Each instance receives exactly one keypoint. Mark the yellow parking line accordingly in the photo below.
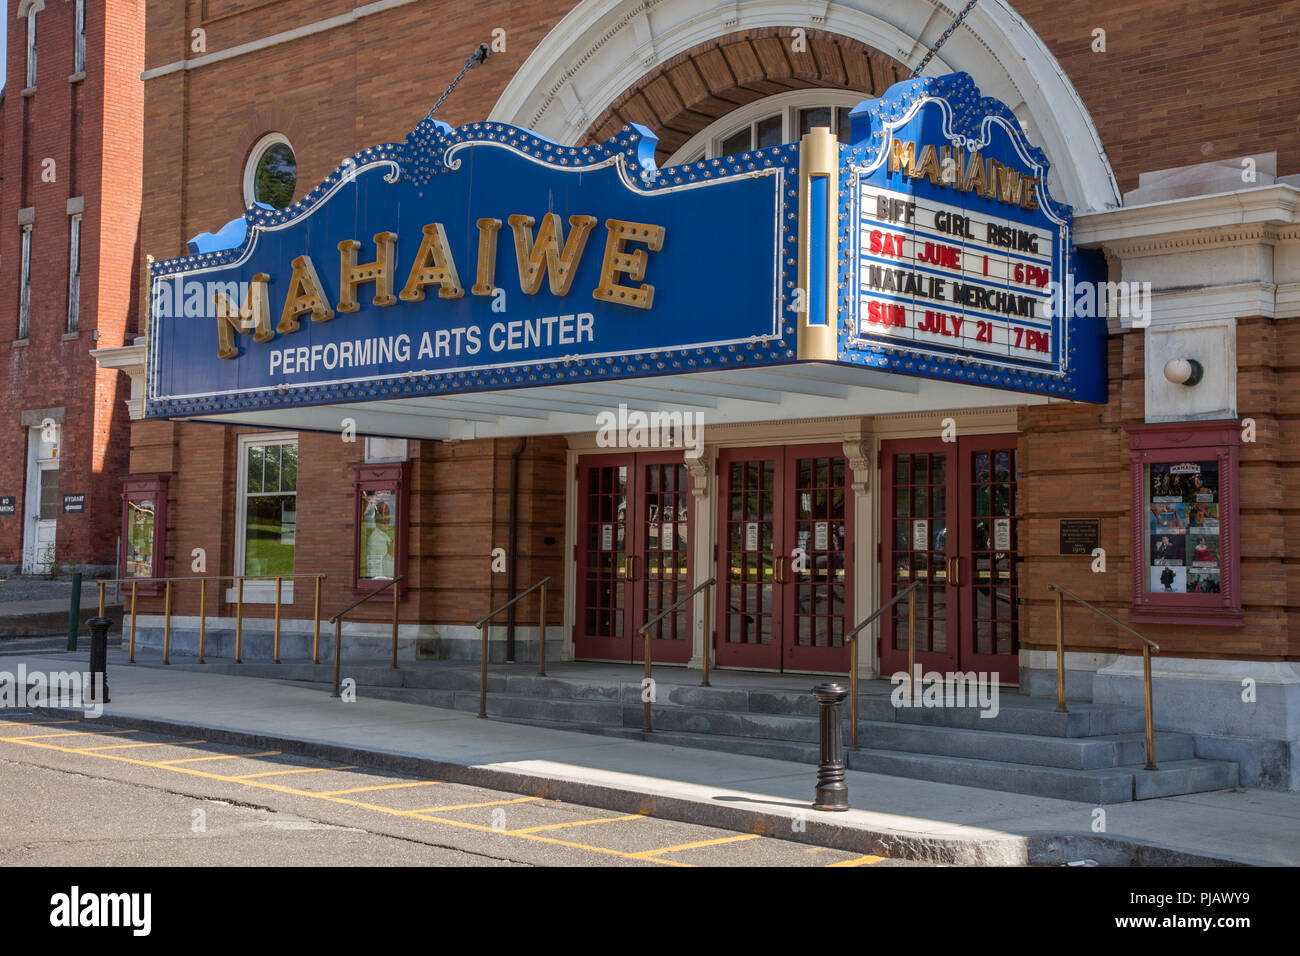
(278, 788)
(471, 806)
(276, 773)
(81, 733)
(646, 854)
(860, 861)
(575, 823)
(386, 786)
(168, 763)
(86, 750)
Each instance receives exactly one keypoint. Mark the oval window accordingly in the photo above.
(272, 175)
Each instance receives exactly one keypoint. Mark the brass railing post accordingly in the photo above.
(911, 641)
(338, 650)
(1060, 653)
(239, 621)
(101, 598)
(131, 655)
(167, 623)
(853, 693)
(276, 639)
(647, 688)
(541, 635)
(482, 669)
(1151, 732)
(315, 625)
(706, 648)
(203, 617)
(394, 625)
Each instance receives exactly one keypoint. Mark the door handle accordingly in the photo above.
(631, 567)
(777, 568)
(954, 571)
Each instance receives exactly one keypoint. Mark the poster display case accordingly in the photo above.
(1186, 535)
(381, 521)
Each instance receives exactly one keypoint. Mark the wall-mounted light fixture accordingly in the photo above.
(1182, 371)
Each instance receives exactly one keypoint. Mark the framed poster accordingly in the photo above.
(144, 531)
(381, 522)
(1185, 531)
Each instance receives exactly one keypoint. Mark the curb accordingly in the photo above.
(819, 830)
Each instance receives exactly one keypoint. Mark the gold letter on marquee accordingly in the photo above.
(487, 257)
(433, 265)
(631, 264)
(380, 272)
(233, 319)
(544, 255)
(306, 294)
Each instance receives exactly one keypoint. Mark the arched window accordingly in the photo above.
(773, 120)
(271, 175)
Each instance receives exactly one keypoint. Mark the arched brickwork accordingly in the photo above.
(683, 95)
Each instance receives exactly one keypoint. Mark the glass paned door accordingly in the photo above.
(917, 545)
(750, 538)
(633, 547)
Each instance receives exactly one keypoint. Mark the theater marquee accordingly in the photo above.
(487, 257)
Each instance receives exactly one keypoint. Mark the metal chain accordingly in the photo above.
(478, 56)
(943, 39)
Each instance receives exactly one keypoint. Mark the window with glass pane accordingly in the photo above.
(49, 493)
(270, 507)
(738, 142)
(140, 532)
(842, 124)
(816, 116)
(769, 132)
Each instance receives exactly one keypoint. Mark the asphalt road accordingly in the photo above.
(89, 794)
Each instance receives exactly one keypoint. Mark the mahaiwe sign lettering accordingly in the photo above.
(480, 258)
(487, 257)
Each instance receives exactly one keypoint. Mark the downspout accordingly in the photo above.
(512, 549)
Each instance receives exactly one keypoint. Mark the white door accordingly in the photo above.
(41, 501)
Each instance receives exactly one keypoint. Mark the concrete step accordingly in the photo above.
(1097, 786)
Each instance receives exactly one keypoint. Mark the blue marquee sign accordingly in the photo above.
(955, 261)
(479, 258)
(487, 257)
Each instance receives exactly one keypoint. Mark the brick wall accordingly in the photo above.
(71, 138)
(1076, 464)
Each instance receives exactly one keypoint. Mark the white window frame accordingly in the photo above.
(257, 592)
(79, 55)
(255, 157)
(74, 272)
(31, 46)
(25, 284)
(707, 143)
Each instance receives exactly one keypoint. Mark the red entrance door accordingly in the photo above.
(785, 528)
(633, 553)
(948, 520)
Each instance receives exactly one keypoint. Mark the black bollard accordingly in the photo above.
(832, 791)
(99, 656)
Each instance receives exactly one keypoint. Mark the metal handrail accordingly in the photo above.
(852, 636)
(1148, 646)
(707, 649)
(203, 580)
(481, 624)
(337, 621)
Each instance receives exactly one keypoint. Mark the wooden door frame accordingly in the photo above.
(820, 660)
(895, 661)
(747, 656)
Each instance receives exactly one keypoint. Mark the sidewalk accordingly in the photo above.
(892, 816)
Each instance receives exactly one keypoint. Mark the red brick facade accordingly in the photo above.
(71, 136)
(1207, 89)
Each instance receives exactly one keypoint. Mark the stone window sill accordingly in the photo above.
(30, 91)
(71, 336)
(77, 77)
(20, 343)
